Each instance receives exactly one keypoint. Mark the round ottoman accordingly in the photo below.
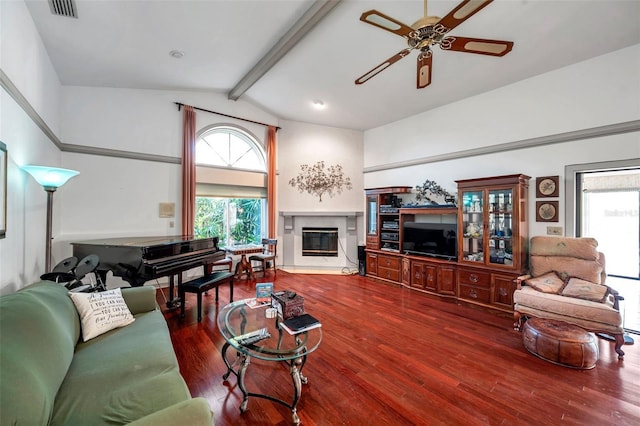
(560, 343)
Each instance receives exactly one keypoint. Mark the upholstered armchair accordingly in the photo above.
(566, 282)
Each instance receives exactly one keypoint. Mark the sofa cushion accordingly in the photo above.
(547, 283)
(100, 312)
(192, 412)
(39, 328)
(581, 248)
(122, 375)
(566, 308)
(585, 290)
(566, 267)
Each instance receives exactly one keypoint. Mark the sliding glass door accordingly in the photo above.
(609, 204)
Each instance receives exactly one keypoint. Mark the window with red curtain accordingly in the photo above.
(237, 214)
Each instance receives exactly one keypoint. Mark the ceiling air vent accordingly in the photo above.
(64, 8)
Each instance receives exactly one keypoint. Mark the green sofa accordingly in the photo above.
(126, 376)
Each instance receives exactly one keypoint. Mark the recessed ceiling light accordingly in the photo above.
(176, 54)
(318, 104)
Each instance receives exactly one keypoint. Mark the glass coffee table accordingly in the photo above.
(239, 324)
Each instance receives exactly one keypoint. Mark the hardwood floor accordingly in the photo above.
(391, 355)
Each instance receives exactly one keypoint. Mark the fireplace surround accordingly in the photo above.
(346, 225)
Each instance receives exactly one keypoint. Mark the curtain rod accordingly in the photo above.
(180, 105)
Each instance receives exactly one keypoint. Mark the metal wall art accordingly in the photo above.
(318, 179)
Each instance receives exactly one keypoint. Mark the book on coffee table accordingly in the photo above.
(299, 324)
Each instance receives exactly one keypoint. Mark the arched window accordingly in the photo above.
(227, 146)
(230, 203)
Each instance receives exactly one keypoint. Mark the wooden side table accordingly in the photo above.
(244, 266)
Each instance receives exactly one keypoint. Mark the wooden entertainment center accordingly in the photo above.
(491, 240)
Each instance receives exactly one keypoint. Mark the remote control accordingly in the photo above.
(253, 337)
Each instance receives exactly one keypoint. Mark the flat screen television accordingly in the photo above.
(431, 239)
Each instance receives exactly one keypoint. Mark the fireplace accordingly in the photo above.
(292, 225)
(319, 241)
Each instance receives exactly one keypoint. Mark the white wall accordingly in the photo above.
(303, 143)
(598, 92)
(25, 63)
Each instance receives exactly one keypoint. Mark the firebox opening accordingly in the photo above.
(320, 242)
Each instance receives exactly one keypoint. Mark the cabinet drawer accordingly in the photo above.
(389, 274)
(447, 281)
(474, 278)
(477, 294)
(388, 262)
(372, 242)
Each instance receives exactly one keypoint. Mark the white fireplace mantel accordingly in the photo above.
(291, 230)
(320, 213)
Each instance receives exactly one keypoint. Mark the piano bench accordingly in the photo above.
(202, 284)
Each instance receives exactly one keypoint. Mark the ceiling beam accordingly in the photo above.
(318, 10)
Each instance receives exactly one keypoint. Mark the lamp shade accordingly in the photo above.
(50, 178)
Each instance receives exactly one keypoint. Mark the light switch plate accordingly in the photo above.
(554, 230)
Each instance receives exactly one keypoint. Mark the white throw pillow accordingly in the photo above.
(101, 312)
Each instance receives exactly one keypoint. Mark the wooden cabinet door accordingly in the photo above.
(417, 275)
(406, 271)
(372, 264)
(430, 277)
(447, 280)
(503, 288)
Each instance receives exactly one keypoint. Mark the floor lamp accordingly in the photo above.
(51, 178)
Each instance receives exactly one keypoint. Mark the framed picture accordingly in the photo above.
(546, 211)
(547, 186)
(3, 190)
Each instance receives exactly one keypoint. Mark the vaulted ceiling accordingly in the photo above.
(127, 43)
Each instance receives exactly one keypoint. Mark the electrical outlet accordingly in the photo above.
(171, 224)
(554, 230)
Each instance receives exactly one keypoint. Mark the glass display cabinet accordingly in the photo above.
(492, 221)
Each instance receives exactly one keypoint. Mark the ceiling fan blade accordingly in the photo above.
(385, 22)
(461, 13)
(424, 70)
(383, 66)
(477, 45)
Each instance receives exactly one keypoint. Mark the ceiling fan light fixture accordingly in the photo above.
(425, 21)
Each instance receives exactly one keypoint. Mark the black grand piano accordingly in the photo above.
(140, 259)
